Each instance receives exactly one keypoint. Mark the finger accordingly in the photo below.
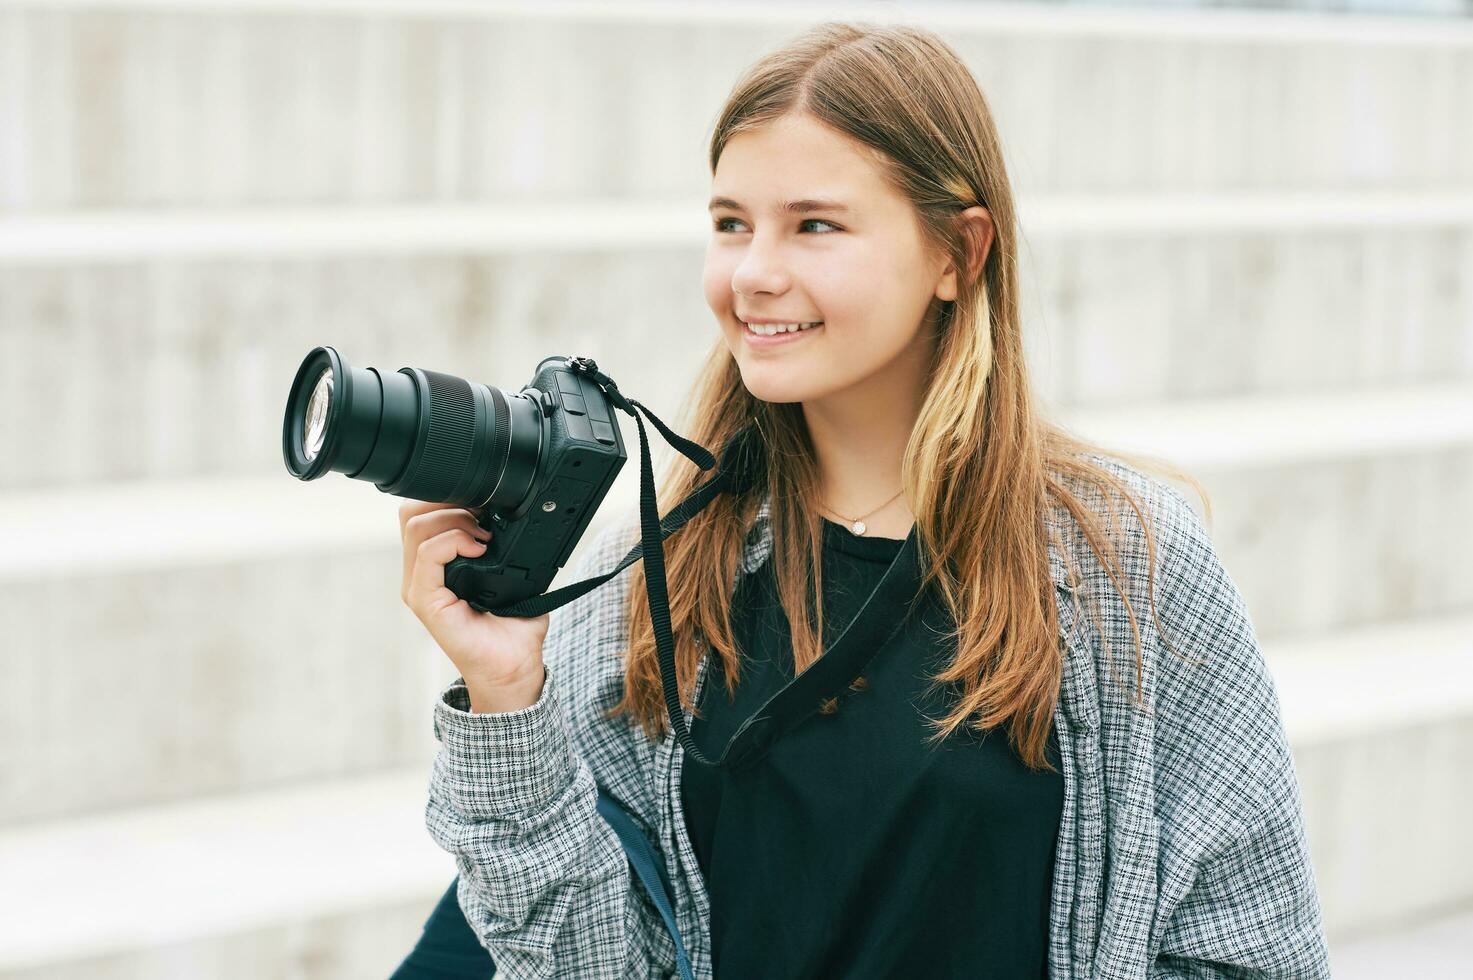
(427, 591)
(413, 508)
(425, 526)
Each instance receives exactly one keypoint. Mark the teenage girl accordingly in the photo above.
(1065, 756)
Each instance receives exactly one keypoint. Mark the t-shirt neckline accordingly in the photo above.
(840, 538)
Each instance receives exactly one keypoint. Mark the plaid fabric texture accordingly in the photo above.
(1181, 851)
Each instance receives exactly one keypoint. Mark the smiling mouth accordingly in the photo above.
(773, 330)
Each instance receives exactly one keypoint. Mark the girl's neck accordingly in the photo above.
(859, 436)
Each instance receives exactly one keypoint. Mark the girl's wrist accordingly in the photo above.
(487, 699)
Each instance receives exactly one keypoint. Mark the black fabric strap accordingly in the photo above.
(739, 458)
(743, 460)
(867, 634)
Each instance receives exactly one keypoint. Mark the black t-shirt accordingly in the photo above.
(854, 848)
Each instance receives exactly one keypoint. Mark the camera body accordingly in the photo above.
(580, 453)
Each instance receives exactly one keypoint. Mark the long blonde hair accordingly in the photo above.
(980, 469)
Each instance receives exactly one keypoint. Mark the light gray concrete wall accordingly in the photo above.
(207, 108)
(1248, 247)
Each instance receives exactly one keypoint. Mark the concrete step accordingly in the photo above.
(115, 236)
(253, 102)
(1427, 946)
(169, 640)
(1343, 682)
(1273, 430)
(354, 852)
(328, 880)
(1330, 511)
(1381, 722)
(1181, 301)
(222, 631)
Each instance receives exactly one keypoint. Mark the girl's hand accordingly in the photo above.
(499, 658)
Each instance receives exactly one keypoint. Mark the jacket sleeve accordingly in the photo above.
(1237, 895)
(544, 882)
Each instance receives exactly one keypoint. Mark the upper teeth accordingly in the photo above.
(768, 329)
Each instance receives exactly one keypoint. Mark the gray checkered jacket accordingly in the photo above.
(1181, 848)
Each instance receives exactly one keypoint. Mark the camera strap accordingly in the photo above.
(742, 461)
(735, 474)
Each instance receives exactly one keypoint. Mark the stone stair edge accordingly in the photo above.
(169, 522)
(289, 853)
(1335, 685)
(273, 231)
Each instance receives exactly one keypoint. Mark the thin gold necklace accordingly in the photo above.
(856, 524)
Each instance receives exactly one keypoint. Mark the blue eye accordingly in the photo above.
(720, 224)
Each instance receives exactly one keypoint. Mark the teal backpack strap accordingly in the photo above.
(651, 870)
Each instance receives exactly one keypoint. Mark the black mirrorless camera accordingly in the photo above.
(537, 462)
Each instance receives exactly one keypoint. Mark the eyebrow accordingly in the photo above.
(791, 207)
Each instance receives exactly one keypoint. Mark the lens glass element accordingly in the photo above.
(314, 423)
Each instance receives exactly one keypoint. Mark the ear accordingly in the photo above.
(977, 226)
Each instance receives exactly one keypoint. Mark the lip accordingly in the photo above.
(779, 339)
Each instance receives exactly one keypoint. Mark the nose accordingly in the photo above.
(759, 271)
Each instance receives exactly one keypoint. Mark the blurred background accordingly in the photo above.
(1248, 248)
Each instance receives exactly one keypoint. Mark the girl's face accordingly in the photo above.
(854, 262)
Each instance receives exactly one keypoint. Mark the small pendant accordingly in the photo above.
(859, 527)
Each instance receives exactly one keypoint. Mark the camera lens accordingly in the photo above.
(316, 422)
(414, 433)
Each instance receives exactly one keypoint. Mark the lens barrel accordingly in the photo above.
(414, 433)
